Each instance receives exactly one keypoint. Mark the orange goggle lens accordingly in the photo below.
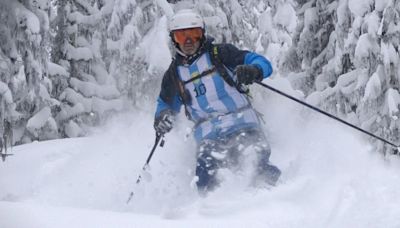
(181, 35)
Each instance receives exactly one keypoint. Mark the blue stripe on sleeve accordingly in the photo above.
(259, 60)
(161, 105)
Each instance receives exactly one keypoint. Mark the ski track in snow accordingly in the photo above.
(331, 178)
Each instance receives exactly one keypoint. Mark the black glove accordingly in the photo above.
(247, 74)
(164, 122)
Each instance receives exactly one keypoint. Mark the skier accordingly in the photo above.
(208, 80)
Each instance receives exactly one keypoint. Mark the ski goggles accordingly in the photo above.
(180, 36)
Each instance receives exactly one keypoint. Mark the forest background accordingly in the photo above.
(69, 65)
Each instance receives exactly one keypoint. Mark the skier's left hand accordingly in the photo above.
(247, 74)
(164, 122)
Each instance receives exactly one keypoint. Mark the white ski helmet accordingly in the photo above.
(185, 19)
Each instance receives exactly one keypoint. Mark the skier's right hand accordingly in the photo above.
(247, 74)
(164, 122)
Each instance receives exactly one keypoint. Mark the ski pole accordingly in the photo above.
(159, 137)
(397, 147)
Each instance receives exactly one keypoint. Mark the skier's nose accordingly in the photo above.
(189, 41)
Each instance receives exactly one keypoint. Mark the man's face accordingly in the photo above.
(188, 39)
(190, 46)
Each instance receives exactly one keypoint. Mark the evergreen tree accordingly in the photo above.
(66, 64)
(132, 23)
(351, 70)
(91, 94)
(27, 100)
(277, 23)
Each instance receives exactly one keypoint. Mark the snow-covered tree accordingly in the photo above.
(8, 57)
(91, 93)
(59, 65)
(136, 28)
(277, 23)
(346, 59)
(66, 64)
(25, 83)
(312, 43)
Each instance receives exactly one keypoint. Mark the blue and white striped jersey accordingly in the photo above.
(216, 107)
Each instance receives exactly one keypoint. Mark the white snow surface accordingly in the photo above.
(165, 7)
(331, 178)
(393, 101)
(5, 93)
(286, 17)
(360, 7)
(80, 53)
(26, 18)
(381, 4)
(155, 46)
(39, 120)
(373, 87)
(55, 69)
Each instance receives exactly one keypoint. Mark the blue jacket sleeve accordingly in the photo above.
(260, 61)
(162, 105)
(169, 97)
(231, 57)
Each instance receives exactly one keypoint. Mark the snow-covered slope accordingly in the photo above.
(331, 178)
